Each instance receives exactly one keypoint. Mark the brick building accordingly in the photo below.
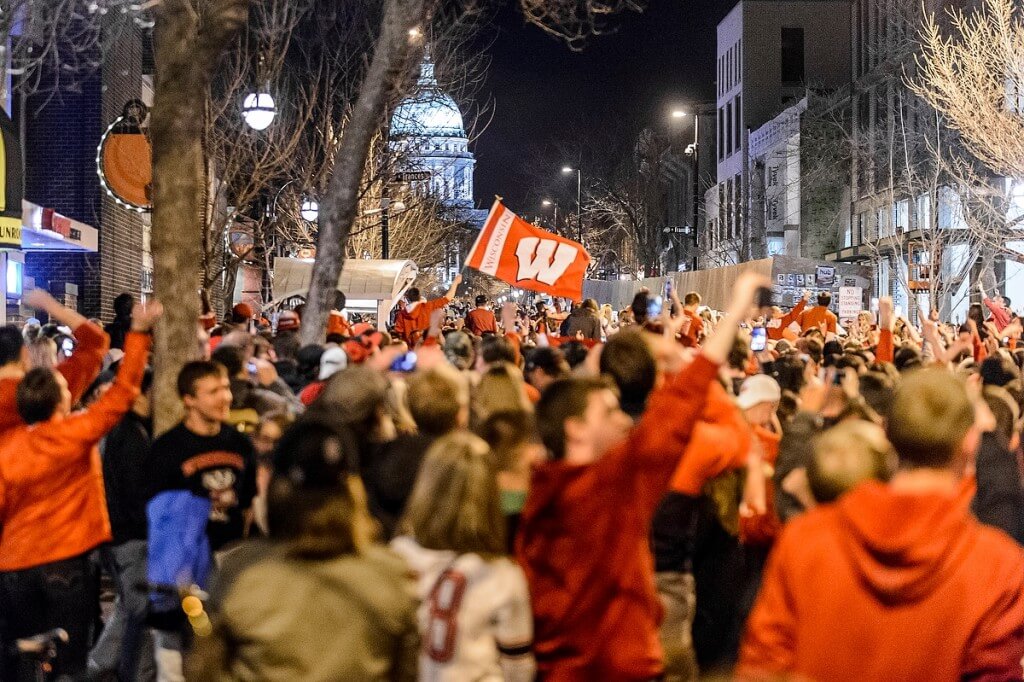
(61, 125)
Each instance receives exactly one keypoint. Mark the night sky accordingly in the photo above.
(543, 91)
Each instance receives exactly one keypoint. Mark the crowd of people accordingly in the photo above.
(665, 492)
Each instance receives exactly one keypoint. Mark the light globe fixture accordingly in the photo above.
(310, 210)
(258, 110)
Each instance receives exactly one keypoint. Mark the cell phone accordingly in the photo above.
(667, 294)
(251, 367)
(404, 363)
(654, 306)
(763, 297)
(758, 339)
(68, 346)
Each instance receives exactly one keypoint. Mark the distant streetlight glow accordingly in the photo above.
(546, 202)
(415, 33)
(568, 169)
(678, 113)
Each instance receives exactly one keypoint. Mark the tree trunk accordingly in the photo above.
(388, 71)
(186, 48)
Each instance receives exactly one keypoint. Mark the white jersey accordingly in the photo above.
(474, 616)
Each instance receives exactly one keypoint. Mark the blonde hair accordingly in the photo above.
(455, 504)
(501, 389)
(849, 453)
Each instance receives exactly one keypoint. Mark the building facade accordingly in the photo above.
(768, 54)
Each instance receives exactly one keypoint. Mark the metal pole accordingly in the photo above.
(696, 184)
(579, 204)
(385, 205)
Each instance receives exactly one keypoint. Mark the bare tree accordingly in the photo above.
(974, 76)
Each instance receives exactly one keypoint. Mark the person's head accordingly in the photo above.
(739, 355)
(931, 423)
(790, 372)
(509, 434)
(501, 388)
(438, 400)
(455, 505)
(1007, 415)
(270, 430)
(847, 454)
(356, 398)
(906, 358)
(878, 390)
(43, 352)
(579, 419)
(481, 301)
(627, 360)
(41, 394)
(12, 348)
(590, 305)
(495, 350)
(813, 348)
(691, 300)
(545, 365)
(412, 294)
(639, 307)
(759, 398)
(316, 504)
(205, 391)
(232, 359)
(123, 305)
(998, 370)
(824, 299)
(332, 361)
(458, 349)
(575, 353)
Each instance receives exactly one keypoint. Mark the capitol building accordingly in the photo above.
(428, 132)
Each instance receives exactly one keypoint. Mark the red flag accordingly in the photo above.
(527, 257)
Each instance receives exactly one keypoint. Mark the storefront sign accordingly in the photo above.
(11, 185)
(124, 159)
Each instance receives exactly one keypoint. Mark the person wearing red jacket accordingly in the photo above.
(78, 371)
(481, 319)
(896, 581)
(412, 322)
(52, 505)
(998, 307)
(778, 325)
(583, 540)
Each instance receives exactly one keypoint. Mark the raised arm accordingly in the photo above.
(82, 367)
(450, 294)
(794, 314)
(885, 351)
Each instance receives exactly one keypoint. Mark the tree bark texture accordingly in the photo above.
(189, 38)
(393, 57)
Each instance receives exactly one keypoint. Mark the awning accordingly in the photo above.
(43, 229)
(361, 280)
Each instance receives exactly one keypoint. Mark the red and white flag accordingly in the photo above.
(527, 257)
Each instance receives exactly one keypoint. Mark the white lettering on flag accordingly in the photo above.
(492, 252)
(544, 260)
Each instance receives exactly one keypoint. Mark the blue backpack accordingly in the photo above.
(179, 551)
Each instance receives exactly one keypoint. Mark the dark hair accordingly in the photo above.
(824, 299)
(639, 307)
(310, 504)
(412, 294)
(505, 431)
(739, 354)
(497, 349)
(231, 357)
(975, 312)
(628, 361)
(999, 403)
(815, 350)
(692, 298)
(286, 345)
(563, 400)
(193, 371)
(11, 343)
(575, 353)
(123, 305)
(549, 360)
(906, 358)
(789, 372)
(878, 391)
(38, 395)
(481, 300)
(340, 300)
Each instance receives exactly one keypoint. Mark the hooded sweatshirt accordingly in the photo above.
(887, 585)
(583, 544)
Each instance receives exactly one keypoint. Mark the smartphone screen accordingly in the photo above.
(667, 293)
(758, 339)
(654, 307)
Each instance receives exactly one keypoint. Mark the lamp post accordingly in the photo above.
(691, 150)
(549, 202)
(566, 170)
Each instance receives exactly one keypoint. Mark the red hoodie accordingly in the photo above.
(889, 586)
(583, 543)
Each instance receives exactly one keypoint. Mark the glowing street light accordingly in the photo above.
(310, 210)
(547, 202)
(258, 110)
(566, 170)
(678, 113)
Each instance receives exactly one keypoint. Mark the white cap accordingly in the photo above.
(759, 388)
(333, 360)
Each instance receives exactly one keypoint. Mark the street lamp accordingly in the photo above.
(566, 170)
(691, 151)
(258, 110)
(310, 210)
(548, 202)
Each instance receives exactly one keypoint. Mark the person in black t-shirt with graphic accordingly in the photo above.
(210, 459)
(205, 456)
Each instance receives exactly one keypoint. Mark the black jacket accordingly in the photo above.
(125, 452)
(999, 500)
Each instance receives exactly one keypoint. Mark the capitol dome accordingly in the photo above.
(428, 113)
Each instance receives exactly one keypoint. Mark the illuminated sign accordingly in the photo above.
(11, 185)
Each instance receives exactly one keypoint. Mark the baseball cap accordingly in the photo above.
(759, 388)
(332, 361)
(241, 312)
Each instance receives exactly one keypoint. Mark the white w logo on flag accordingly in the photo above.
(544, 260)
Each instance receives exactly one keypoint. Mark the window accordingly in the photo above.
(924, 212)
(721, 133)
(737, 121)
(728, 129)
(792, 55)
(901, 216)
